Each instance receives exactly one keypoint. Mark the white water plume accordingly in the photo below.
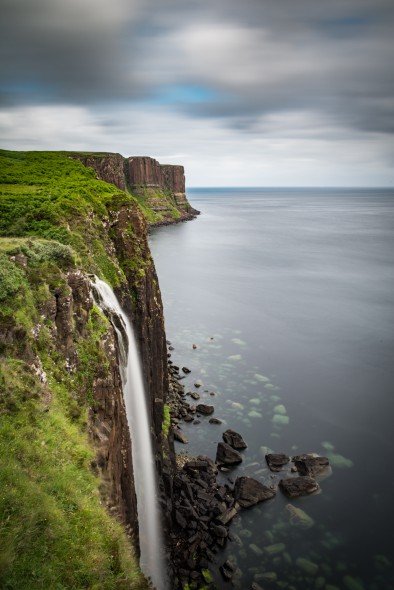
(150, 531)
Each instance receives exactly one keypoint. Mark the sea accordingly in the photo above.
(281, 303)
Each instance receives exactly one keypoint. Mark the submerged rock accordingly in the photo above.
(280, 419)
(339, 460)
(275, 548)
(307, 566)
(234, 439)
(299, 518)
(215, 421)
(298, 486)
(276, 461)
(249, 491)
(226, 455)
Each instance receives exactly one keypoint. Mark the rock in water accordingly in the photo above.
(299, 486)
(249, 491)
(227, 570)
(186, 370)
(180, 436)
(226, 455)
(310, 464)
(205, 409)
(234, 439)
(276, 461)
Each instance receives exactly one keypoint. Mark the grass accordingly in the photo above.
(52, 196)
(54, 531)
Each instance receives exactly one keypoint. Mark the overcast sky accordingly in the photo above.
(251, 93)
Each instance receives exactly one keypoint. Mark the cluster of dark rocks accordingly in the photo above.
(308, 466)
(203, 508)
(181, 409)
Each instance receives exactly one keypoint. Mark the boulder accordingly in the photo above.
(215, 421)
(226, 455)
(310, 464)
(234, 439)
(180, 436)
(249, 491)
(205, 409)
(298, 486)
(186, 370)
(276, 461)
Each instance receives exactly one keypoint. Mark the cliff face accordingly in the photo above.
(70, 307)
(109, 167)
(159, 189)
(50, 325)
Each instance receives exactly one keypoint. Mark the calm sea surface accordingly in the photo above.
(289, 297)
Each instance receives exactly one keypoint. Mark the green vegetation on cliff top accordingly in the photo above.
(54, 529)
(53, 196)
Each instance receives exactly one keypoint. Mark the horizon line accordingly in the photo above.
(226, 187)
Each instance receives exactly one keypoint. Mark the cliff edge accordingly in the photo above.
(158, 188)
(65, 447)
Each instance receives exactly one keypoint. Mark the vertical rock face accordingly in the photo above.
(142, 170)
(108, 421)
(160, 188)
(109, 167)
(142, 303)
(174, 178)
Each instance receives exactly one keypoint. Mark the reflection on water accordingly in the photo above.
(287, 297)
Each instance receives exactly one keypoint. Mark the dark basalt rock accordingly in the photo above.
(226, 455)
(186, 370)
(249, 491)
(310, 465)
(205, 409)
(219, 530)
(276, 461)
(180, 436)
(228, 515)
(227, 570)
(215, 421)
(234, 439)
(298, 486)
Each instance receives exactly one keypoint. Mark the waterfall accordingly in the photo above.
(150, 531)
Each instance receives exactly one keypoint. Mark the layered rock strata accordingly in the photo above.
(158, 187)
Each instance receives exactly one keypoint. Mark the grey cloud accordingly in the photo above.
(259, 57)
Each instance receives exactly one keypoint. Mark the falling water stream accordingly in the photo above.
(150, 533)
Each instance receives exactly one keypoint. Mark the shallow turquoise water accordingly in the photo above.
(288, 295)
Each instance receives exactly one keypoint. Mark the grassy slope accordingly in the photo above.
(54, 531)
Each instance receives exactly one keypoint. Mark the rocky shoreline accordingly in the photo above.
(189, 216)
(203, 507)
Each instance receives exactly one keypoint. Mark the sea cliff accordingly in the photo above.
(65, 446)
(159, 188)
